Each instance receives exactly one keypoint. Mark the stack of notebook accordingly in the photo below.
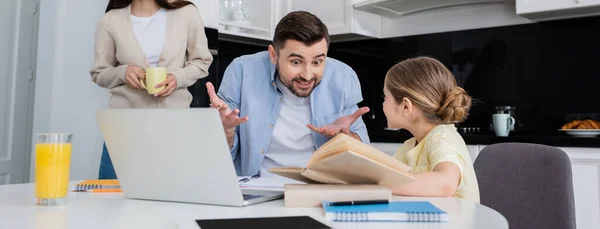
(402, 211)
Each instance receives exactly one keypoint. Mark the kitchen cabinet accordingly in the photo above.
(342, 20)
(388, 148)
(426, 17)
(557, 9)
(391, 148)
(249, 18)
(364, 19)
(242, 18)
(585, 166)
(209, 11)
(473, 151)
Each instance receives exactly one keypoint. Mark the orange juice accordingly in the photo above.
(52, 162)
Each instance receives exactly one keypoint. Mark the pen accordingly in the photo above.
(358, 202)
(249, 178)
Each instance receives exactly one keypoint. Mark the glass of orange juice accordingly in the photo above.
(52, 165)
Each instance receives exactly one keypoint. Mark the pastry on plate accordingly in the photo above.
(586, 124)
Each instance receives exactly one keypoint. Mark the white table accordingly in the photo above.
(112, 210)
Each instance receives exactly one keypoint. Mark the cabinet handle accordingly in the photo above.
(440, 7)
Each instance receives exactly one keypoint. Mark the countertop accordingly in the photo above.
(558, 139)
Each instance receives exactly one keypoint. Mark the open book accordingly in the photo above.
(345, 160)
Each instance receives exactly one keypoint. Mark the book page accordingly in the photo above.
(343, 142)
(269, 183)
(322, 177)
(354, 168)
(292, 173)
(335, 145)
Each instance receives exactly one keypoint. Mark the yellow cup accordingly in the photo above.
(52, 167)
(154, 76)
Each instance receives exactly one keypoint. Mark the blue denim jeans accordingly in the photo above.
(106, 171)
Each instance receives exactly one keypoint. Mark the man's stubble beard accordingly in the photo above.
(290, 85)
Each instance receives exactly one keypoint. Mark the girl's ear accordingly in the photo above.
(407, 106)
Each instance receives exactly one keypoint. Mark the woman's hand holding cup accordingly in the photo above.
(134, 75)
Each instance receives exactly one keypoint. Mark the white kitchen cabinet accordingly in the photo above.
(339, 16)
(557, 9)
(391, 148)
(209, 11)
(473, 151)
(441, 17)
(585, 166)
(388, 148)
(545, 5)
(249, 18)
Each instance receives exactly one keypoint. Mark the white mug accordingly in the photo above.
(503, 123)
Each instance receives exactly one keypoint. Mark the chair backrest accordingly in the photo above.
(530, 184)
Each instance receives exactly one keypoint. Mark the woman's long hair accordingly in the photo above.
(118, 4)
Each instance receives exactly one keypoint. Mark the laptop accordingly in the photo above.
(177, 155)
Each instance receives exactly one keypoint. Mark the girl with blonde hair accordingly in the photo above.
(422, 97)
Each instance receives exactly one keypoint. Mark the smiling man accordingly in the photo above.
(291, 99)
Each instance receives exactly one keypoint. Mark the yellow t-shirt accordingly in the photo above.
(443, 143)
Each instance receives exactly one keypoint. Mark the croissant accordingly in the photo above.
(581, 125)
(572, 124)
(591, 124)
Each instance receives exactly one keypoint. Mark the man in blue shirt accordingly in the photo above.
(291, 99)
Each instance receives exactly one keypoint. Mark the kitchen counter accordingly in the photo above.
(485, 138)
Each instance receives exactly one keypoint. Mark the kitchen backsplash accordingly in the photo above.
(548, 71)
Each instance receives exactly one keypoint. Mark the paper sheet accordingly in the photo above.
(268, 183)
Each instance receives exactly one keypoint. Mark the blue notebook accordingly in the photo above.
(402, 211)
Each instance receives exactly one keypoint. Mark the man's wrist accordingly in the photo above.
(230, 138)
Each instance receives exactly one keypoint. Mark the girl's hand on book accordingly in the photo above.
(341, 125)
(229, 118)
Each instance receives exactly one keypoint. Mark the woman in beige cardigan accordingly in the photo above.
(136, 34)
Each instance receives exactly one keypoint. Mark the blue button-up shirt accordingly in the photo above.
(249, 85)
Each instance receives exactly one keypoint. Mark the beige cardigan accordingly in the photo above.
(185, 54)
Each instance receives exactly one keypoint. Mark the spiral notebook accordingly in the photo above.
(86, 185)
(401, 211)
